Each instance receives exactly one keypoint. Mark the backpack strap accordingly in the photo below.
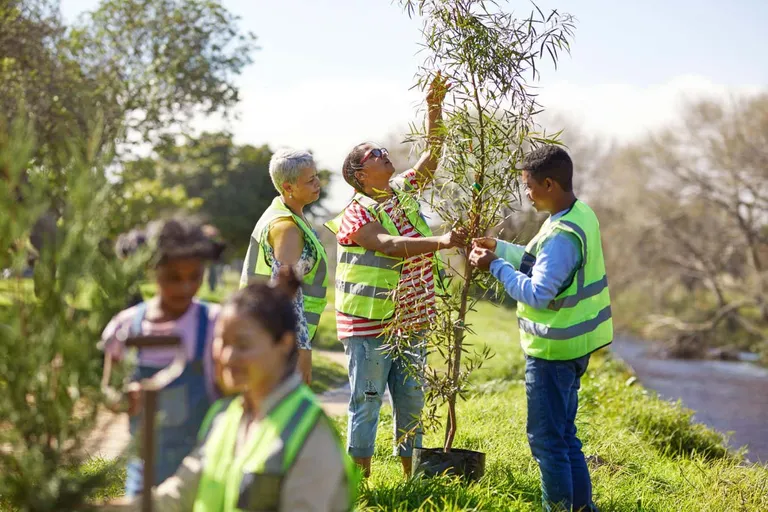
(202, 331)
(138, 317)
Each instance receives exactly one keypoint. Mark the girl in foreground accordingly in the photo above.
(271, 446)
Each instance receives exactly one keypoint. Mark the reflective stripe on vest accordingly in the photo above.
(366, 280)
(315, 284)
(277, 462)
(251, 477)
(578, 321)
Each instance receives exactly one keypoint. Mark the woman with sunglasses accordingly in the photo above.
(386, 275)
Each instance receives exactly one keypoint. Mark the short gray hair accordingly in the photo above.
(286, 164)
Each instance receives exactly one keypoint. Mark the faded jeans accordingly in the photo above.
(371, 371)
(552, 388)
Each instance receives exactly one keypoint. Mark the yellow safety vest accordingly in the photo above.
(314, 284)
(578, 321)
(251, 479)
(365, 279)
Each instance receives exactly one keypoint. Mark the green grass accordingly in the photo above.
(326, 338)
(326, 374)
(645, 453)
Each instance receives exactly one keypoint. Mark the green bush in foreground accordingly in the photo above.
(50, 367)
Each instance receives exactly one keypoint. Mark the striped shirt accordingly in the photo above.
(415, 304)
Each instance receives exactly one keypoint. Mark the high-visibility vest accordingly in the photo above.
(578, 321)
(251, 478)
(365, 279)
(314, 285)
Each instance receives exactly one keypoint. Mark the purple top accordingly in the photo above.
(185, 327)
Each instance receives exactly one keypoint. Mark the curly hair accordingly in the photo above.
(352, 165)
(170, 239)
(551, 162)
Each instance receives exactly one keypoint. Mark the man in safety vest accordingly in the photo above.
(386, 276)
(564, 314)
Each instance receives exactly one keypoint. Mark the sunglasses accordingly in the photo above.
(376, 153)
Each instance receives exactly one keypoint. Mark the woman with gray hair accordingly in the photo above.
(283, 236)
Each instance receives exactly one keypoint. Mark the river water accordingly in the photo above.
(728, 396)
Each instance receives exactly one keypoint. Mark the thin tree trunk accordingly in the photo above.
(458, 330)
(455, 366)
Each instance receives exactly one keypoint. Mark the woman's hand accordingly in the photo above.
(436, 93)
(457, 237)
(304, 365)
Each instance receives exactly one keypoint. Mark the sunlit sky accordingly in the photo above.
(332, 73)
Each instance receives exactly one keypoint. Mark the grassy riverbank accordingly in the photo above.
(645, 454)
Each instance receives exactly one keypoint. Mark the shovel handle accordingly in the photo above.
(150, 388)
(153, 341)
(148, 448)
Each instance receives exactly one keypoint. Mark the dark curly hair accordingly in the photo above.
(551, 162)
(170, 239)
(352, 165)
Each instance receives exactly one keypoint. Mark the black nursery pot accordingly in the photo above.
(434, 461)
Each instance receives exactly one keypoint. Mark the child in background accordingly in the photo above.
(180, 252)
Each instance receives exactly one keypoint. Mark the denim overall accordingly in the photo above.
(182, 406)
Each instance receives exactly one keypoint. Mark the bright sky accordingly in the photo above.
(332, 73)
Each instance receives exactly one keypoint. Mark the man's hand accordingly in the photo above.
(455, 238)
(305, 366)
(482, 258)
(484, 243)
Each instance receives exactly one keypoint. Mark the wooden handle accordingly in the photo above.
(148, 448)
(153, 341)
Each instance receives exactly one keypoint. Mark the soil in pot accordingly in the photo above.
(434, 461)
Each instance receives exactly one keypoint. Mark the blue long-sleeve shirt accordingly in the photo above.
(557, 261)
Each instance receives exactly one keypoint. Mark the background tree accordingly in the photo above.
(488, 56)
(703, 235)
(129, 71)
(49, 363)
(684, 215)
(38, 76)
(143, 68)
(228, 184)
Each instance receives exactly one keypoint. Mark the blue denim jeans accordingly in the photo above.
(371, 372)
(552, 390)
